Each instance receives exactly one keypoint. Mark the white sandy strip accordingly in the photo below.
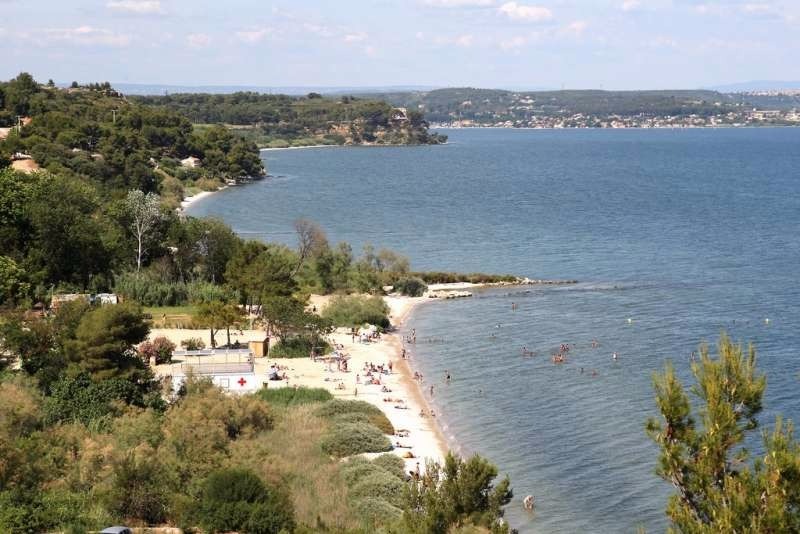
(188, 201)
(425, 438)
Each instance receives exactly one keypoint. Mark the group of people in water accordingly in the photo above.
(560, 356)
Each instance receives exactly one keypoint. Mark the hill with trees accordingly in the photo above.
(281, 120)
(95, 134)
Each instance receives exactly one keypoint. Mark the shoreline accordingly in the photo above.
(425, 439)
(188, 201)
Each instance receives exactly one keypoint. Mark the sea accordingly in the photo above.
(674, 236)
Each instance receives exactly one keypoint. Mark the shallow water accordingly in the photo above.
(684, 232)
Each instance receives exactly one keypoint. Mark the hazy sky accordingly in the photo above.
(613, 44)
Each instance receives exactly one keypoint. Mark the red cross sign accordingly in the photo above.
(241, 382)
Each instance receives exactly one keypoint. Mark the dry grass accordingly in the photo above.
(291, 456)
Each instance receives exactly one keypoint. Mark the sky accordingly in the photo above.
(574, 44)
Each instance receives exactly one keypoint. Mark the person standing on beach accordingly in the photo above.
(431, 390)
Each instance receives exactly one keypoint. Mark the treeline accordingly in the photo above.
(444, 105)
(281, 120)
(94, 134)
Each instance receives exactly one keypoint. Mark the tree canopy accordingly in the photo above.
(704, 451)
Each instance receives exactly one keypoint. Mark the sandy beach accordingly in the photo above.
(425, 438)
(188, 201)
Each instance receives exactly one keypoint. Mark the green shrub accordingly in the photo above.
(193, 343)
(338, 407)
(357, 468)
(346, 439)
(161, 348)
(294, 396)
(392, 464)
(298, 347)
(373, 511)
(278, 143)
(411, 287)
(378, 420)
(236, 499)
(355, 310)
(382, 485)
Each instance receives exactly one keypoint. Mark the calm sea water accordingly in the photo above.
(684, 232)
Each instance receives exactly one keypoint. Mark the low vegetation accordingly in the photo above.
(357, 310)
(289, 396)
(347, 439)
(342, 408)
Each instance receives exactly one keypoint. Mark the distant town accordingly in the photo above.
(468, 107)
(754, 117)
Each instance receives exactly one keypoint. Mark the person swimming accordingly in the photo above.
(528, 502)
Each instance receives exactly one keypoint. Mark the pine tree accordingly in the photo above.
(718, 487)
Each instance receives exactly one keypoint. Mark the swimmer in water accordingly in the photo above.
(614, 356)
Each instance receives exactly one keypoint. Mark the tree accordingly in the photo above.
(236, 499)
(216, 315)
(454, 494)
(717, 487)
(145, 214)
(104, 344)
(13, 286)
(258, 271)
(311, 241)
(19, 92)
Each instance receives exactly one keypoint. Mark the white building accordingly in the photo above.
(233, 370)
(191, 162)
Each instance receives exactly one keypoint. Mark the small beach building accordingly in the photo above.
(233, 370)
(191, 162)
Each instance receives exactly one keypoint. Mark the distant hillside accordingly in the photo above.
(490, 105)
(283, 120)
(154, 89)
(758, 86)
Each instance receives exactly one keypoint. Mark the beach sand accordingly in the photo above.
(188, 201)
(425, 438)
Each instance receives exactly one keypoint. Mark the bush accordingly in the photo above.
(294, 396)
(357, 468)
(193, 343)
(411, 287)
(375, 511)
(382, 485)
(346, 439)
(392, 464)
(298, 347)
(278, 143)
(339, 407)
(236, 499)
(354, 310)
(160, 348)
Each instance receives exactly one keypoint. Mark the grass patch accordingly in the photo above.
(294, 396)
(158, 311)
